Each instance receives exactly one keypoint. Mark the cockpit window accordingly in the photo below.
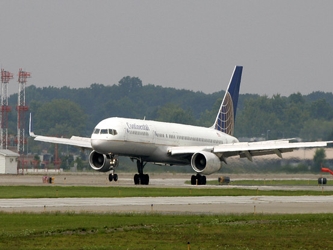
(112, 131)
(104, 131)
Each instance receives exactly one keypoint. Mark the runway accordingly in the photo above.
(176, 205)
(172, 205)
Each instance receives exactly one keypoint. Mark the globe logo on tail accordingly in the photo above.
(225, 120)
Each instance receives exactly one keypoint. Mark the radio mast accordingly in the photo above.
(21, 110)
(5, 109)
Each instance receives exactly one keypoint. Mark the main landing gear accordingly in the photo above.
(141, 178)
(198, 179)
(114, 162)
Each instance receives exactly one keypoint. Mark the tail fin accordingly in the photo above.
(225, 119)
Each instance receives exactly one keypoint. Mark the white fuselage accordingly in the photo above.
(150, 140)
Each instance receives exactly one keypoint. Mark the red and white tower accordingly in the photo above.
(21, 110)
(5, 109)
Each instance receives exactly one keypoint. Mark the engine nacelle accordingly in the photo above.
(99, 162)
(205, 163)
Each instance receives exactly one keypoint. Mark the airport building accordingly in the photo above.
(8, 161)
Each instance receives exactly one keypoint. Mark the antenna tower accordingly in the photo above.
(5, 109)
(21, 110)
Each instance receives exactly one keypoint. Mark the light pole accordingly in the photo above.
(267, 135)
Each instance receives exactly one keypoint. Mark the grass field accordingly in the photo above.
(154, 231)
(91, 231)
(138, 191)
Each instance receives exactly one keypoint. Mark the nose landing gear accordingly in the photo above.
(114, 162)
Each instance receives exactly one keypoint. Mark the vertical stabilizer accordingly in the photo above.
(225, 119)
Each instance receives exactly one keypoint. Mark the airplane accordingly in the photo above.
(163, 143)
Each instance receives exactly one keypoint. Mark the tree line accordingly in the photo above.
(66, 111)
(69, 111)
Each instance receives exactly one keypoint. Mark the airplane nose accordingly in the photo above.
(99, 145)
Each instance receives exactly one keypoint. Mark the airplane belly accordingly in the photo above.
(160, 155)
(136, 149)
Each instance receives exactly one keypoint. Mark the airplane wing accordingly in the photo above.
(77, 141)
(82, 142)
(248, 149)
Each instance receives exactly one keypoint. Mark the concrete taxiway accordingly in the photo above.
(176, 205)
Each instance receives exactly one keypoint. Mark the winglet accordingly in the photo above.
(32, 134)
(225, 119)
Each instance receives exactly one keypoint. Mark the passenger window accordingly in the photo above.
(96, 131)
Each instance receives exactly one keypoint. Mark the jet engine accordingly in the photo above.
(205, 163)
(99, 162)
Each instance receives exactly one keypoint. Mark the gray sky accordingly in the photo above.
(285, 46)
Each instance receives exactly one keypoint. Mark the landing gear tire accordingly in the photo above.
(136, 179)
(142, 179)
(203, 180)
(113, 177)
(193, 180)
(198, 179)
(145, 179)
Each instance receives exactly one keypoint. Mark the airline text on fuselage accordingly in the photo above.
(137, 126)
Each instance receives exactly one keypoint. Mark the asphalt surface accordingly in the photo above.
(174, 205)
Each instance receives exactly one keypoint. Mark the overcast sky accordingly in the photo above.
(284, 46)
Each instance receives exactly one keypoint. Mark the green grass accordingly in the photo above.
(85, 231)
(154, 231)
(138, 191)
